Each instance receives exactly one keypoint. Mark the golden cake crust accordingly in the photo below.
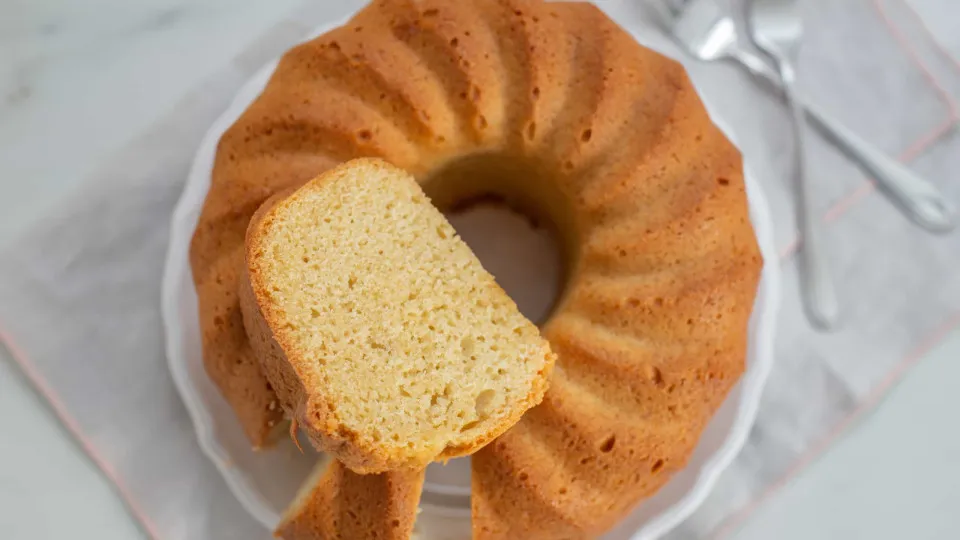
(647, 194)
(344, 505)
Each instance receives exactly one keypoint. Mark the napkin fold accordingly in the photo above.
(80, 292)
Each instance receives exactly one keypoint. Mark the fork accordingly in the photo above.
(706, 33)
(778, 37)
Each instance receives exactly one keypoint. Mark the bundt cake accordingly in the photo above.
(559, 111)
(385, 339)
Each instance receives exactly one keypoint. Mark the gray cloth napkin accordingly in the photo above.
(80, 293)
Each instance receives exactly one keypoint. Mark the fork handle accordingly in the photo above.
(917, 198)
(816, 284)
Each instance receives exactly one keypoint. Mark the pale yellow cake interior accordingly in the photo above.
(393, 318)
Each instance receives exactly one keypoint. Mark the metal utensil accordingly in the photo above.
(779, 38)
(707, 33)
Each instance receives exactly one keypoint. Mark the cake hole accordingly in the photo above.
(654, 375)
(723, 181)
(657, 465)
(364, 135)
(607, 445)
(536, 92)
(586, 135)
(467, 346)
(523, 477)
(454, 42)
(483, 196)
(430, 13)
(484, 402)
(525, 260)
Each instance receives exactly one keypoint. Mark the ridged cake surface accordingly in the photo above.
(555, 108)
(336, 503)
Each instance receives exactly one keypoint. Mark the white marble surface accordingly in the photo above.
(78, 78)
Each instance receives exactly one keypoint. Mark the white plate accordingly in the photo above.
(265, 482)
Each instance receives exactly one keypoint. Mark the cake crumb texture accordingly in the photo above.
(401, 347)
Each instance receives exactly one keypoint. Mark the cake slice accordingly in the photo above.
(336, 502)
(385, 339)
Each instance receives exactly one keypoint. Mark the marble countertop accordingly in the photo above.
(78, 80)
